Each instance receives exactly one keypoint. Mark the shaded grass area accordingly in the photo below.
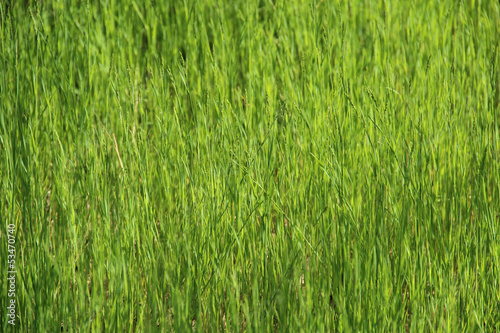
(251, 165)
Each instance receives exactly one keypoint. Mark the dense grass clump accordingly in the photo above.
(251, 165)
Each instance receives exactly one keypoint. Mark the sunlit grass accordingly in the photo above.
(251, 165)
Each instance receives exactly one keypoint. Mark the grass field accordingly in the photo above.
(288, 166)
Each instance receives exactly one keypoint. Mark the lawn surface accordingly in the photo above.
(263, 166)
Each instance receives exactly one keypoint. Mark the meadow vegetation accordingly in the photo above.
(212, 165)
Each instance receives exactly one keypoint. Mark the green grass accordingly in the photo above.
(251, 165)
